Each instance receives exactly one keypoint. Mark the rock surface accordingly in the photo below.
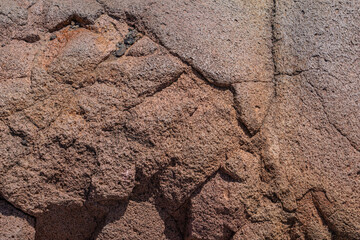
(15, 224)
(138, 220)
(179, 119)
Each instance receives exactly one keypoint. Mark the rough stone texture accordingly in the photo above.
(216, 211)
(179, 119)
(14, 224)
(311, 225)
(138, 220)
(252, 101)
(238, 43)
(60, 12)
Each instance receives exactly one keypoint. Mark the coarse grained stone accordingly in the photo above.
(247, 105)
(138, 220)
(14, 224)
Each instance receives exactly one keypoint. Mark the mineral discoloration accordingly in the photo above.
(179, 120)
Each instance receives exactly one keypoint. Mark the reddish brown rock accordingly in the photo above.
(68, 221)
(178, 127)
(227, 55)
(14, 96)
(177, 119)
(81, 52)
(137, 77)
(216, 211)
(311, 224)
(241, 165)
(252, 101)
(16, 60)
(143, 47)
(138, 220)
(261, 231)
(13, 15)
(14, 224)
(59, 13)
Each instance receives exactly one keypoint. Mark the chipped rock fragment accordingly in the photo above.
(252, 101)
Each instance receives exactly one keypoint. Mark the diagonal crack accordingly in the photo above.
(133, 21)
(321, 99)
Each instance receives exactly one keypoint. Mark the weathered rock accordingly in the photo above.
(307, 129)
(59, 13)
(14, 95)
(178, 126)
(177, 119)
(69, 221)
(16, 59)
(260, 231)
(14, 12)
(138, 220)
(241, 165)
(83, 51)
(13, 15)
(143, 47)
(216, 211)
(252, 101)
(228, 54)
(138, 77)
(329, 52)
(311, 225)
(14, 224)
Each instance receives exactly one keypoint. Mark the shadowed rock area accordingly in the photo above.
(133, 119)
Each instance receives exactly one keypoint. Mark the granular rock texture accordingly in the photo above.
(133, 119)
(15, 224)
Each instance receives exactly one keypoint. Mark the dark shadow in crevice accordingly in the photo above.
(114, 213)
(71, 221)
(317, 197)
(30, 38)
(8, 209)
(180, 214)
(75, 19)
(173, 229)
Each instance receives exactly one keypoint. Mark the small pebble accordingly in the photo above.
(121, 51)
(52, 37)
(74, 25)
(129, 40)
(119, 44)
(3, 45)
(131, 37)
(24, 142)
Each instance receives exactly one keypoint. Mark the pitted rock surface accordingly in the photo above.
(15, 224)
(180, 119)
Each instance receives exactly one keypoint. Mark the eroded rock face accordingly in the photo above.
(216, 211)
(14, 223)
(179, 120)
(139, 220)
